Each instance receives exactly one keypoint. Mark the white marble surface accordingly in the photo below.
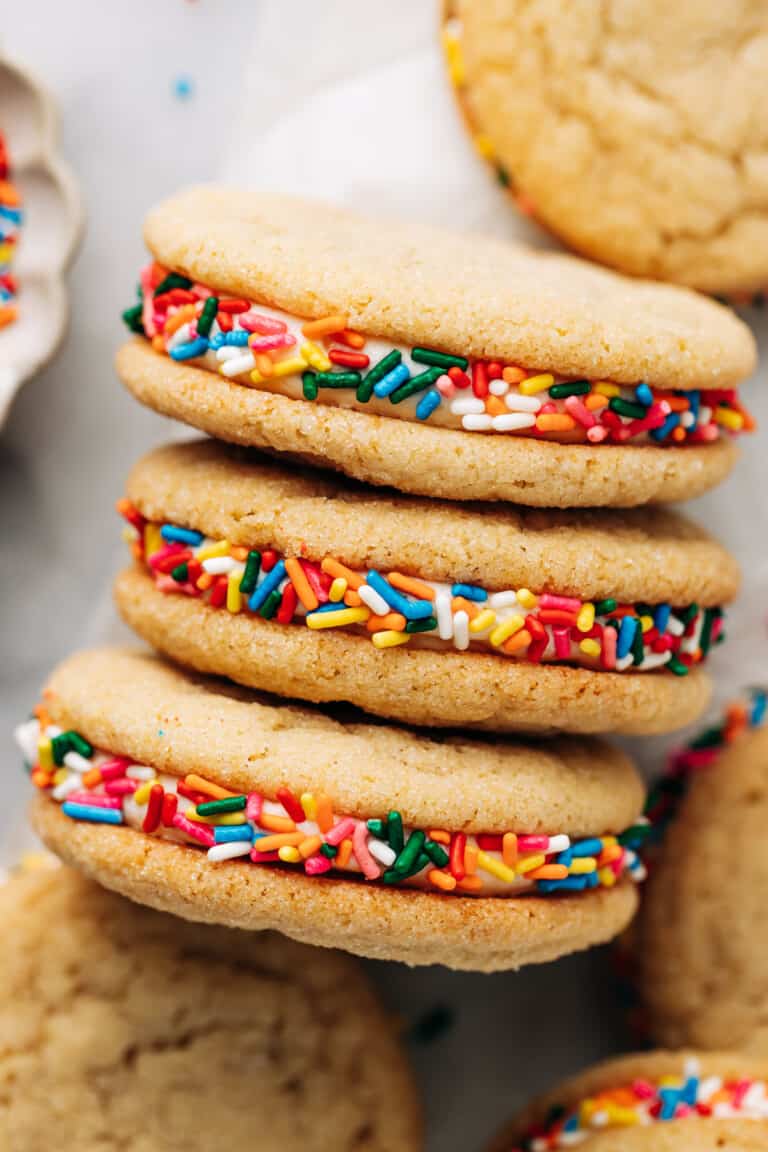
(346, 99)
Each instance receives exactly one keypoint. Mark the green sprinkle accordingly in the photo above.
(80, 744)
(603, 607)
(627, 408)
(635, 835)
(329, 851)
(427, 625)
(705, 639)
(575, 388)
(688, 614)
(216, 807)
(251, 573)
(338, 379)
(378, 372)
(395, 832)
(377, 828)
(410, 853)
(60, 745)
(132, 318)
(503, 176)
(677, 666)
(207, 316)
(415, 384)
(309, 386)
(390, 876)
(436, 853)
(172, 280)
(439, 359)
(180, 573)
(271, 604)
(710, 738)
(638, 646)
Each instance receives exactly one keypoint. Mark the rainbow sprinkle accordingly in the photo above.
(10, 224)
(305, 831)
(324, 361)
(648, 1102)
(394, 609)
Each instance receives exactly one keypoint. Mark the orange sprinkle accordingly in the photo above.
(411, 585)
(513, 375)
(158, 343)
(264, 364)
(277, 823)
(9, 193)
(344, 853)
(555, 422)
(301, 584)
(679, 433)
(92, 778)
(594, 401)
(495, 407)
(204, 581)
(350, 338)
(509, 849)
(176, 319)
(308, 847)
(283, 840)
(324, 812)
(520, 640)
(470, 884)
(442, 880)
(470, 859)
(609, 854)
(199, 784)
(41, 778)
(327, 326)
(237, 552)
(676, 403)
(393, 622)
(333, 568)
(458, 603)
(439, 836)
(548, 872)
(351, 599)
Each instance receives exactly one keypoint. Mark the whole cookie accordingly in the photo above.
(654, 1102)
(124, 1028)
(635, 134)
(421, 611)
(197, 798)
(443, 365)
(700, 944)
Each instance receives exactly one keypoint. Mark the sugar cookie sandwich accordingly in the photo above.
(200, 799)
(654, 1102)
(443, 365)
(430, 613)
(126, 1028)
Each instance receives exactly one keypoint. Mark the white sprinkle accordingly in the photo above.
(26, 736)
(444, 615)
(705, 414)
(624, 663)
(382, 852)
(180, 336)
(219, 565)
(61, 791)
(675, 626)
(77, 763)
(239, 366)
(228, 352)
(229, 851)
(461, 630)
(498, 387)
(140, 772)
(687, 419)
(477, 423)
(467, 406)
(517, 403)
(498, 600)
(371, 598)
(653, 660)
(513, 422)
(559, 843)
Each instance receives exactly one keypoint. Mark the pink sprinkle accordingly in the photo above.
(122, 787)
(265, 325)
(340, 831)
(562, 643)
(608, 653)
(147, 308)
(575, 408)
(445, 385)
(253, 806)
(739, 1092)
(532, 844)
(202, 833)
(266, 343)
(263, 857)
(112, 769)
(316, 865)
(643, 1089)
(368, 865)
(168, 584)
(168, 550)
(94, 799)
(597, 434)
(563, 603)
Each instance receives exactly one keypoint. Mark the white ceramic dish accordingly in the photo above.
(50, 232)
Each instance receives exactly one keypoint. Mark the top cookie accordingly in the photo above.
(634, 134)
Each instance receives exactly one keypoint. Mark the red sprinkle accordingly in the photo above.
(480, 379)
(348, 358)
(154, 811)
(168, 811)
(291, 804)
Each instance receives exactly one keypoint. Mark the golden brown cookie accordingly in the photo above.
(123, 1028)
(421, 611)
(445, 365)
(198, 798)
(633, 136)
(700, 945)
(654, 1102)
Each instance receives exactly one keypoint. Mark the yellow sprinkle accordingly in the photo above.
(60, 776)
(45, 755)
(729, 419)
(289, 367)
(495, 867)
(581, 865)
(484, 145)
(506, 629)
(586, 618)
(222, 818)
(527, 599)
(390, 639)
(607, 877)
(531, 863)
(339, 619)
(234, 599)
(483, 620)
(6, 253)
(309, 805)
(141, 795)
(315, 357)
(289, 854)
(128, 534)
(536, 384)
(453, 57)
(646, 623)
(153, 541)
(212, 551)
(337, 589)
(609, 841)
(590, 647)
(621, 1117)
(603, 388)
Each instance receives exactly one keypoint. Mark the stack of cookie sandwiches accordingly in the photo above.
(487, 559)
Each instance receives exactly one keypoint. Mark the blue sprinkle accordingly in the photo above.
(470, 592)
(569, 884)
(268, 584)
(237, 338)
(565, 858)
(183, 87)
(189, 350)
(670, 1098)
(329, 606)
(643, 395)
(573, 1123)
(12, 214)
(759, 708)
(392, 380)
(91, 813)
(411, 609)
(627, 631)
(694, 399)
(228, 833)
(592, 879)
(590, 847)
(690, 1091)
(661, 618)
(176, 535)
(667, 427)
(426, 406)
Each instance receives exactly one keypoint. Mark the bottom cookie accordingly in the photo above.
(126, 1029)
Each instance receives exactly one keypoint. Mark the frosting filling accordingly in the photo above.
(323, 361)
(393, 609)
(304, 832)
(647, 1102)
(10, 225)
